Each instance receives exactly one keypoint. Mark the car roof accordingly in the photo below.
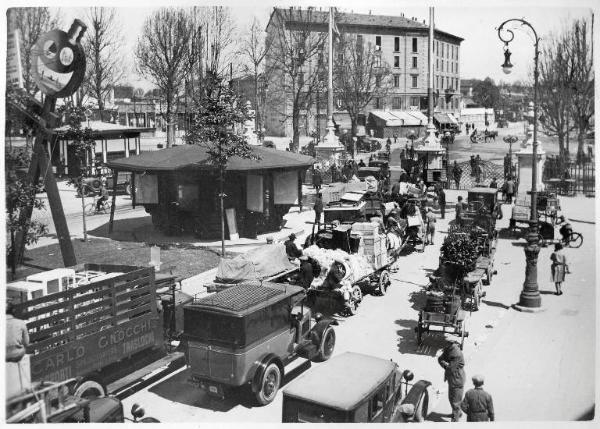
(246, 298)
(343, 382)
(482, 190)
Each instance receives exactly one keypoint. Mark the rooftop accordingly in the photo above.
(332, 384)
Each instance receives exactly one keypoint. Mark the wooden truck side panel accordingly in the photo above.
(83, 329)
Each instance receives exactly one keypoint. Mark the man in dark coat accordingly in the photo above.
(478, 404)
(456, 173)
(317, 179)
(318, 211)
(290, 247)
(453, 362)
(459, 210)
(306, 272)
(442, 202)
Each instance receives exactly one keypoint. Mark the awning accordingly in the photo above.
(401, 118)
(195, 157)
(445, 119)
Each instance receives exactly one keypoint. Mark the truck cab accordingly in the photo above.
(248, 333)
(355, 388)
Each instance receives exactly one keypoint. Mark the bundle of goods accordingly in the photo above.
(356, 266)
(438, 302)
(375, 245)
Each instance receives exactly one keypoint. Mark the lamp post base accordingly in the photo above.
(530, 297)
(524, 309)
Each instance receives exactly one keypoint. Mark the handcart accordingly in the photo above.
(442, 315)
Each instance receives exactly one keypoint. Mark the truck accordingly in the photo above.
(94, 330)
(246, 335)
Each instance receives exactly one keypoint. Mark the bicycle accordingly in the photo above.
(574, 240)
(91, 208)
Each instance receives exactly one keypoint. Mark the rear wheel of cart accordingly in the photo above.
(90, 389)
(576, 240)
(327, 344)
(269, 385)
(384, 282)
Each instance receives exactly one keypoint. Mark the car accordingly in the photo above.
(246, 334)
(367, 144)
(355, 388)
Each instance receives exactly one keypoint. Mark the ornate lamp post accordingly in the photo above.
(510, 139)
(530, 298)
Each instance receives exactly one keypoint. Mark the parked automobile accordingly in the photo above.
(246, 334)
(367, 144)
(355, 388)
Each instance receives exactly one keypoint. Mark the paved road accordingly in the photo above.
(535, 364)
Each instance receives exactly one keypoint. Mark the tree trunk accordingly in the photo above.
(222, 209)
(296, 129)
(83, 213)
(580, 150)
(170, 125)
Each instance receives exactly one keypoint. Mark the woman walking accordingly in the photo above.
(559, 267)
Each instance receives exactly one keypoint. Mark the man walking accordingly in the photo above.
(453, 362)
(478, 404)
(318, 211)
(510, 190)
(317, 179)
(430, 224)
(442, 202)
(456, 173)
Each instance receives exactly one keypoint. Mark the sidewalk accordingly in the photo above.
(548, 357)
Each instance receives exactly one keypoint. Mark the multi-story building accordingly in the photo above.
(402, 44)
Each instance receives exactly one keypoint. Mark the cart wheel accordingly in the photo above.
(384, 282)
(357, 294)
(576, 240)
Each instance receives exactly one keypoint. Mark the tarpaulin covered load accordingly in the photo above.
(259, 264)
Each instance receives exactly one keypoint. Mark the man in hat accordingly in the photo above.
(318, 211)
(453, 362)
(442, 202)
(430, 220)
(306, 272)
(290, 247)
(478, 404)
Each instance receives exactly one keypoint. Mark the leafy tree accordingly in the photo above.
(19, 195)
(215, 124)
(486, 93)
(82, 143)
(162, 56)
(360, 76)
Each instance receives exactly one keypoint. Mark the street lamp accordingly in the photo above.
(510, 139)
(530, 298)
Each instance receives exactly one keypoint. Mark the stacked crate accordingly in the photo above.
(374, 245)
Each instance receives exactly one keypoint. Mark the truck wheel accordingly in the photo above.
(89, 389)
(326, 345)
(269, 385)
(384, 282)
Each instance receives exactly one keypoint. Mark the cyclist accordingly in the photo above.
(566, 230)
(103, 197)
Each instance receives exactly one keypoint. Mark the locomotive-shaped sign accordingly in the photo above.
(58, 61)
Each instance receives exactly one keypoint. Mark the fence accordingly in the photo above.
(571, 179)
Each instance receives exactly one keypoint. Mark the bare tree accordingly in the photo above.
(102, 46)
(554, 89)
(162, 56)
(291, 63)
(579, 52)
(254, 49)
(31, 22)
(360, 76)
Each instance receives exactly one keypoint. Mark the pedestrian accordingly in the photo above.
(442, 202)
(395, 137)
(318, 207)
(478, 172)
(478, 404)
(361, 164)
(388, 143)
(103, 197)
(494, 183)
(559, 267)
(459, 210)
(453, 362)
(17, 341)
(510, 190)
(472, 164)
(430, 222)
(317, 179)
(467, 128)
(456, 173)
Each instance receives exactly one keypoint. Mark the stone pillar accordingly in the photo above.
(525, 164)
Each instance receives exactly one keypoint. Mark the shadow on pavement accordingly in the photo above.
(437, 417)
(495, 304)
(407, 340)
(547, 292)
(177, 389)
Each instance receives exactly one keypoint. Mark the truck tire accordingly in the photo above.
(90, 388)
(269, 384)
(326, 345)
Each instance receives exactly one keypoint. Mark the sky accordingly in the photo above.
(475, 21)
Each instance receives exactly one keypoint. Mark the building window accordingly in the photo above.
(437, 64)
(396, 44)
(378, 104)
(447, 82)
(396, 102)
(442, 82)
(442, 65)
(437, 82)
(414, 81)
(414, 62)
(396, 81)
(396, 60)
(378, 43)
(415, 101)
(414, 44)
